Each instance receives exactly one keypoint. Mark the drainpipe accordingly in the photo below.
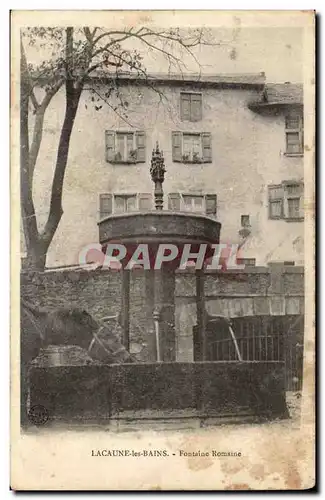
(156, 323)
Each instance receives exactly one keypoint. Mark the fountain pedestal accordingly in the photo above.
(152, 229)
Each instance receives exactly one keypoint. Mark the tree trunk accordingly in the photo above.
(36, 257)
(72, 102)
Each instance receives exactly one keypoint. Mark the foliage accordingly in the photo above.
(70, 58)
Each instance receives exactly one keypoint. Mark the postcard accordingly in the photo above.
(162, 229)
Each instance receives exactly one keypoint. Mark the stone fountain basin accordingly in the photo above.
(159, 227)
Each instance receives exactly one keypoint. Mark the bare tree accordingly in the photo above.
(75, 55)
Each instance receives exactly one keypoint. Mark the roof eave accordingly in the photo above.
(257, 82)
(260, 106)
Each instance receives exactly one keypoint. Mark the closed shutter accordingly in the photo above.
(177, 146)
(140, 142)
(109, 145)
(105, 205)
(185, 107)
(145, 201)
(211, 204)
(174, 201)
(206, 147)
(196, 107)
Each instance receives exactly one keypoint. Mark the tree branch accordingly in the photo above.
(27, 205)
(38, 129)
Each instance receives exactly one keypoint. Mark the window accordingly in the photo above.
(244, 220)
(246, 262)
(193, 203)
(122, 203)
(125, 203)
(191, 148)
(198, 203)
(191, 106)
(125, 147)
(294, 134)
(285, 201)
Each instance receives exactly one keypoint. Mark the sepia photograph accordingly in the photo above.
(162, 190)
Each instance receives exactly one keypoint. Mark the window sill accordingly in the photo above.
(294, 219)
(288, 219)
(194, 162)
(125, 162)
(294, 155)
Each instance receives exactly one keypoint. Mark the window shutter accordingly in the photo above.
(185, 107)
(276, 198)
(140, 142)
(174, 201)
(105, 205)
(145, 201)
(109, 145)
(196, 107)
(206, 147)
(177, 146)
(211, 204)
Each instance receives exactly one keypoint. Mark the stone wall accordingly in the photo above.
(253, 291)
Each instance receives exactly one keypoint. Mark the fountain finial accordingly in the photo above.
(157, 171)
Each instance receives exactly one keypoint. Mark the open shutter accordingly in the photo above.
(206, 147)
(174, 201)
(177, 146)
(185, 107)
(276, 201)
(211, 204)
(109, 144)
(196, 107)
(140, 143)
(145, 201)
(105, 205)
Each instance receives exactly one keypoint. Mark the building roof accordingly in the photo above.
(279, 94)
(238, 80)
(244, 80)
(284, 93)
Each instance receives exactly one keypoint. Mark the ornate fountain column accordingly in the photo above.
(161, 282)
(157, 171)
(155, 227)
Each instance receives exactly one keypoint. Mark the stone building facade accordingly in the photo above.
(233, 148)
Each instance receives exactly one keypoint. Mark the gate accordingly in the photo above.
(259, 338)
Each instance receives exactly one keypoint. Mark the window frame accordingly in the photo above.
(299, 130)
(178, 198)
(125, 196)
(284, 200)
(200, 157)
(193, 196)
(205, 147)
(294, 196)
(125, 158)
(112, 196)
(136, 139)
(191, 117)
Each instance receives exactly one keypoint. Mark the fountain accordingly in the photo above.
(162, 389)
(153, 228)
